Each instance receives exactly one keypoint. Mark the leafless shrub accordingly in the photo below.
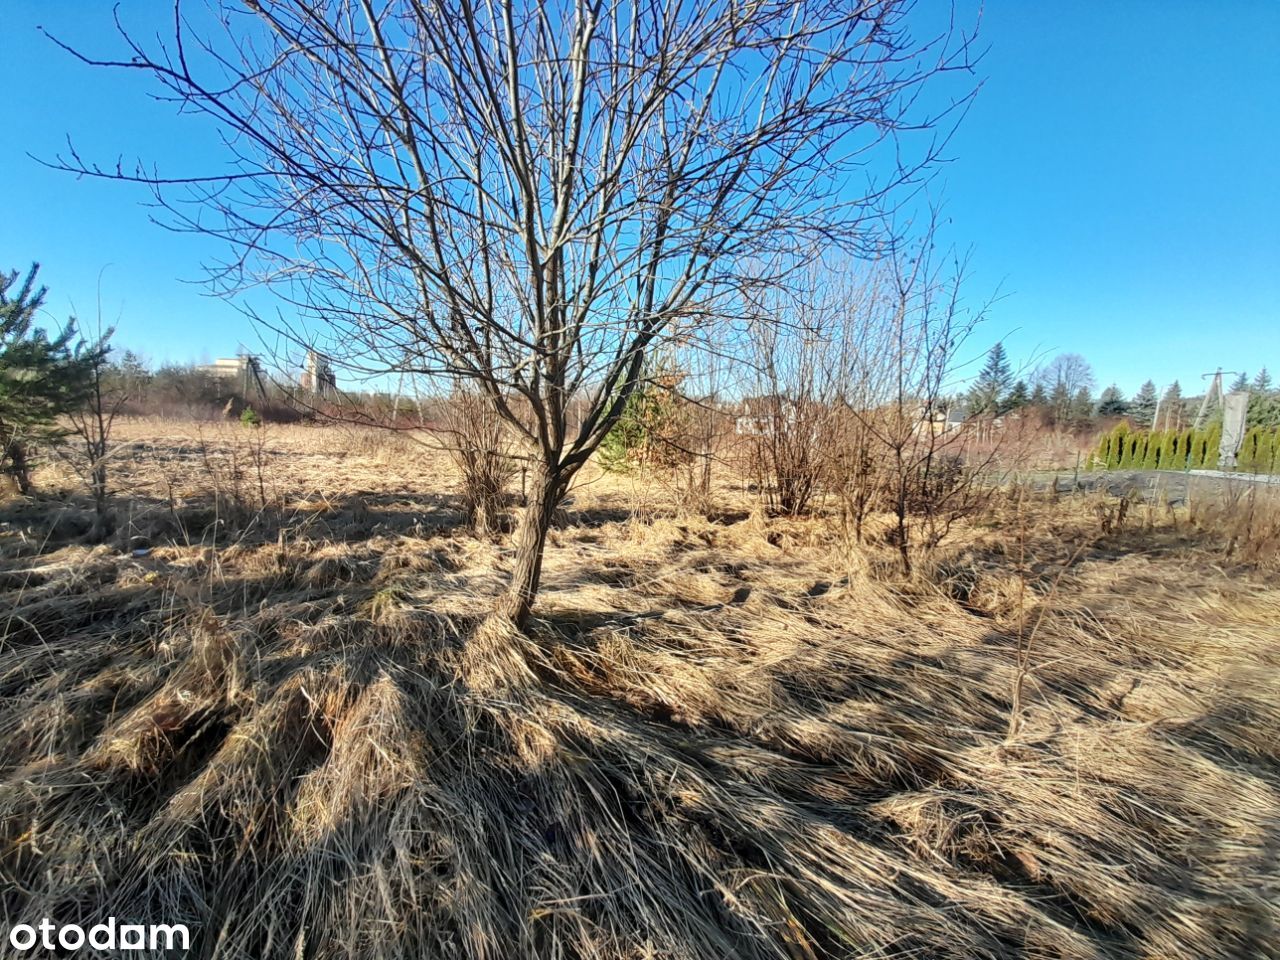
(480, 444)
(792, 417)
(1246, 516)
(904, 454)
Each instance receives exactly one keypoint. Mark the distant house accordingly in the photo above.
(943, 421)
(758, 416)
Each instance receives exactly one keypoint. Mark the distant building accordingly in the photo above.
(941, 421)
(317, 376)
(226, 368)
(243, 374)
(760, 416)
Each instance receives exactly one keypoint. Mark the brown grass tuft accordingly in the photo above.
(721, 739)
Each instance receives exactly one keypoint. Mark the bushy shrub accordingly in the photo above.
(1265, 456)
(652, 427)
(1214, 444)
(1155, 443)
(1102, 455)
(1199, 450)
(1247, 456)
(1135, 448)
(249, 418)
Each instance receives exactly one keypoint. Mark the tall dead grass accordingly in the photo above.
(730, 742)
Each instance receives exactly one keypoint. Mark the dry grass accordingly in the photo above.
(735, 739)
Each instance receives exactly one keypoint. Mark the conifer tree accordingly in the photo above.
(1102, 455)
(1171, 407)
(1116, 445)
(1112, 403)
(1246, 459)
(1264, 401)
(1199, 449)
(1266, 451)
(1038, 396)
(1241, 382)
(41, 377)
(992, 383)
(1017, 398)
(1214, 445)
(1143, 407)
(1151, 460)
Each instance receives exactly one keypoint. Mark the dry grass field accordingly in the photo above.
(737, 737)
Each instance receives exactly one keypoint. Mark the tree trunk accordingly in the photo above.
(546, 489)
(18, 465)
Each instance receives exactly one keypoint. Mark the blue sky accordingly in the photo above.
(1117, 180)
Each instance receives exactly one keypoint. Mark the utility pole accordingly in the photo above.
(1215, 388)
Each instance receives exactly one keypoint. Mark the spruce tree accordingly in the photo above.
(1264, 410)
(1017, 398)
(1112, 403)
(1264, 401)
(1143, 407)
(41, 377)
(992, 383)
(1038, 396)
(1241, 382)
(1171, 407)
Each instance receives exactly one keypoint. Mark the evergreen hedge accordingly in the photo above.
(1126, 449)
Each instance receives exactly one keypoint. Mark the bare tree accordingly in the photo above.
(92, 422)
(528, 194)
(1063, 378)
(909, 457)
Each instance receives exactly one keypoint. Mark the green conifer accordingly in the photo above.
(1247, 457)
(1143, 407)
(41, 376)
(1214, 445)
(1152, 458)
(1264, 458)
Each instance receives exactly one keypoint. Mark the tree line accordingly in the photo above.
(1060, 394)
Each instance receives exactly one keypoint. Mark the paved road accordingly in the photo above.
(1171, 485)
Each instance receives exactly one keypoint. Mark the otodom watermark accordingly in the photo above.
(108, 935)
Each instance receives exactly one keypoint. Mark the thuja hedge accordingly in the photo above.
(1126, 449)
